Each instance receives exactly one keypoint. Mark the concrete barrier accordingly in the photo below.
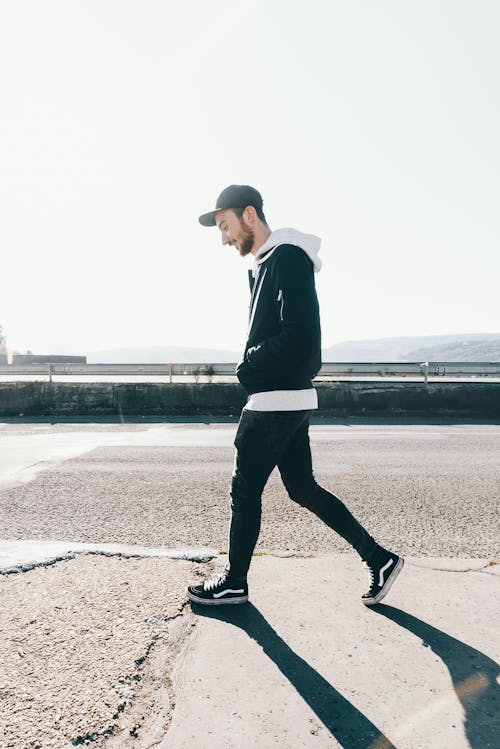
(462, 399)
(164, 400)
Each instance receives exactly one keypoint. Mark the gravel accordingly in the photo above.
(77, 638)
(438, 496)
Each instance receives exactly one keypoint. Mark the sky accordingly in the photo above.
(373, 124)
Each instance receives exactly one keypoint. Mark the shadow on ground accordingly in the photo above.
(346, 723)
(473, 674)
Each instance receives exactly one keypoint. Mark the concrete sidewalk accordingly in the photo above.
(306, 664)
(126, 662)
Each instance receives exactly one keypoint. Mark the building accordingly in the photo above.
(3, 349)
(22, 359)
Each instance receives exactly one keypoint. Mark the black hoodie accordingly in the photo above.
(283, 349)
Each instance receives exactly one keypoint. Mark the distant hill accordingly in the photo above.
(465, 347)
(162, 355)
(460, 351)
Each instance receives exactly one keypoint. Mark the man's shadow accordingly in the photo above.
(473, 674)
(351, 728)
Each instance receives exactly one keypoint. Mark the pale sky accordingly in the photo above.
(374, 124)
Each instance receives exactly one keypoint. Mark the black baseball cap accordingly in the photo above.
(234, 196)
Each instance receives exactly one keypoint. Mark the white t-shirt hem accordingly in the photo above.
(283, 400)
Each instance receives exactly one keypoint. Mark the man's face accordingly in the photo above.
(235, 231)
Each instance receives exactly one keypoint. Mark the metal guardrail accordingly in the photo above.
(329, 369)
(402, 369)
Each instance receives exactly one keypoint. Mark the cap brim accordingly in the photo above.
(208, 219)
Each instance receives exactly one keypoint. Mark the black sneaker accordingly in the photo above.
(219, 590)
(383, 569)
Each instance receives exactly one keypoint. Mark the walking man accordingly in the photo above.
(282, 355)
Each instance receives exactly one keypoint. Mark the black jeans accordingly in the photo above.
(266, 439)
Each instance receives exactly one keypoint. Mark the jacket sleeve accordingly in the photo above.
(297, 307)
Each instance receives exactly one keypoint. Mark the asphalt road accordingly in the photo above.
(423, 490)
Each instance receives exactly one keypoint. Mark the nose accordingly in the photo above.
(224, 238)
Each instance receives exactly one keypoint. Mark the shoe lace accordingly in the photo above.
(215, 581)
(371, 573)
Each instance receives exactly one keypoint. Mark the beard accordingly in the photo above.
(247, 239)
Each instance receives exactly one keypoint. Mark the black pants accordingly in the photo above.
(266, 439)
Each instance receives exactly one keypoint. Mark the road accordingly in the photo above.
(425, 490)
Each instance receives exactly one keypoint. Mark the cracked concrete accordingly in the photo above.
(152, 711)
(105, 651)
(22, 556)
(77, 646)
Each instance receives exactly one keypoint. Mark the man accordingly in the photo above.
(282, 355)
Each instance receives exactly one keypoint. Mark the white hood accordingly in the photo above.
(307, 242)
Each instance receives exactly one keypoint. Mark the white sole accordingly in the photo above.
(216, 601)
(388, 584)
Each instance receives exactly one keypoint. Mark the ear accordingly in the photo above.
(250, 214)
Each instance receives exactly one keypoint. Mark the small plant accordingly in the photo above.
(209, 371)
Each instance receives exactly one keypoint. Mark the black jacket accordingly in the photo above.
(283, 350)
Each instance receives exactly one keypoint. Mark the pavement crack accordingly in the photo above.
(28, 566)
(277, 554)
(89, 737)
(193, 556)
(454, 571)
(147, 709)
(181, 634)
